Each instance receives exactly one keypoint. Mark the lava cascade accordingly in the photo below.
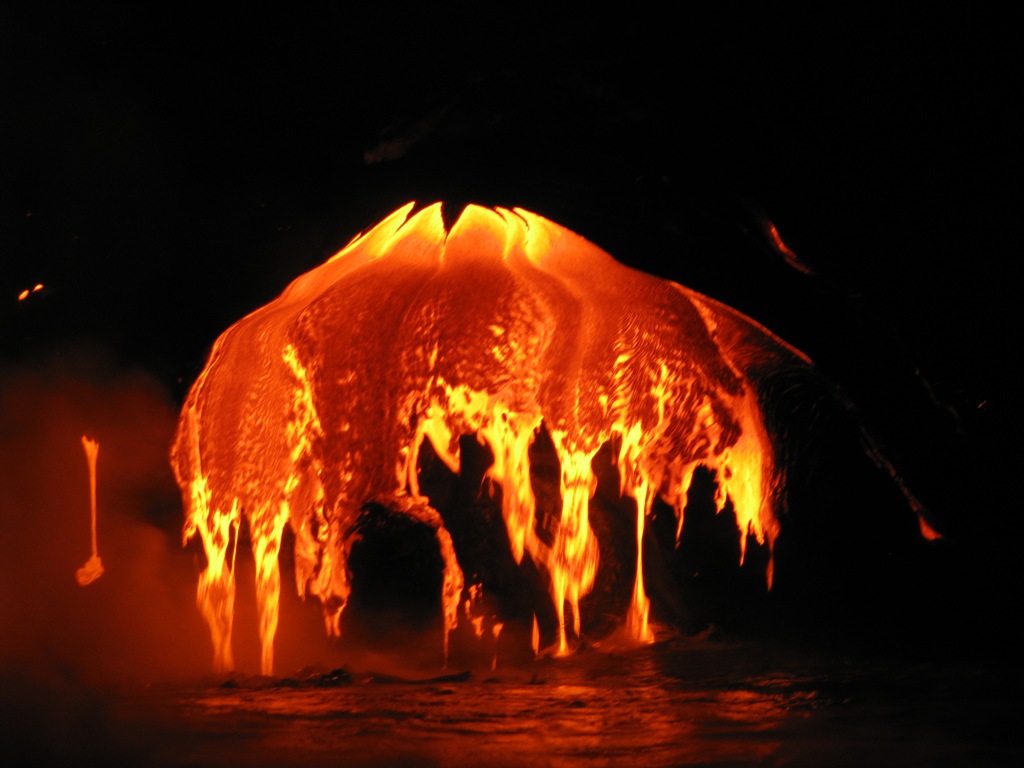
(318, 404)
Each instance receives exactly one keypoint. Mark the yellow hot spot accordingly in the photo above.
(572, 560)
(634, 483)
(432, 425)
(509, 437)
(266, 547)
(745, 476)
(304, 426)
(451, 584)
(640, 605)
(377, 240)
(640, 475)
(680, 476)
(215, 595)
(303, 507)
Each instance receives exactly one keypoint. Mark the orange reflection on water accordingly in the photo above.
(610, 720)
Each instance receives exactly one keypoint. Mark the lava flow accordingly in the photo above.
(317, 404)
(93, 567)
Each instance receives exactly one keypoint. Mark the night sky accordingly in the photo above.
(163, 174)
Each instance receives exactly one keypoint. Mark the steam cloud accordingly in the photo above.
(139, 623)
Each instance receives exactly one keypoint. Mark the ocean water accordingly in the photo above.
(681, 702)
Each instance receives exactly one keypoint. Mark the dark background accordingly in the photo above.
(162, 173)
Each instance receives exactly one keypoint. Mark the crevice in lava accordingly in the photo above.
(714, 585)
(396, 573)
(545, 476)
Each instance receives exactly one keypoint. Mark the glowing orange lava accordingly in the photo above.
(93, 567)
(319, 402)
(29, 291)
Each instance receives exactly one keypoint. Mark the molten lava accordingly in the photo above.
(93, 567)
(319, 402)
(29, 291)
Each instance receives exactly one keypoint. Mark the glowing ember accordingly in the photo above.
(318, 404)
(29, 291)
(93, 567)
